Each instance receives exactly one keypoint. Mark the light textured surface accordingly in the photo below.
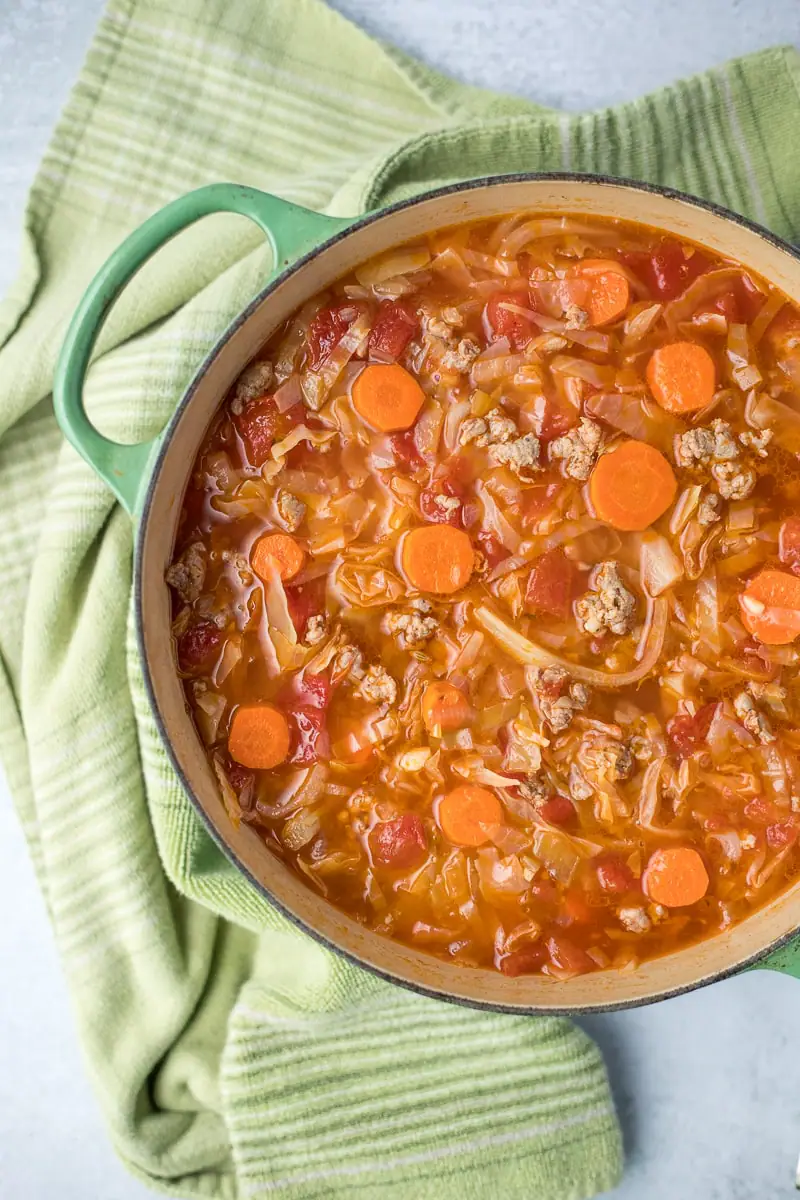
(706, 1084)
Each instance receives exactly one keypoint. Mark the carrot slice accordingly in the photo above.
(387, 397)
(468, 814)
(277, 550)
(437, 558)
(682, 376)
(770, 607)
(610, 292)
(675, 876)
(259, 736)
(444, 707)
(632, 486)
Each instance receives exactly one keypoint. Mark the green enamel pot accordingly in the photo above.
(311, 251)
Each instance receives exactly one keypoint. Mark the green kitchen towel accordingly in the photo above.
(232, 1055)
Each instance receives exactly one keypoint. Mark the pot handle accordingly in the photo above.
(785, 959)
(291, 232)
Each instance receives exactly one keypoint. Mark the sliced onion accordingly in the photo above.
(659, 564)
(530, 654)
(541, 227)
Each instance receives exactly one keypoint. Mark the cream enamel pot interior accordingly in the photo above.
(149, 480)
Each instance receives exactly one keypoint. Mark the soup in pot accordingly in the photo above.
(487, 591)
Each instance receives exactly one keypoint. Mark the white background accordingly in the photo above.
(708, 1085)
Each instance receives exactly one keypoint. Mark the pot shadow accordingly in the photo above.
(608, 1032)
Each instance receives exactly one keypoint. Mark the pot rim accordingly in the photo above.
(157, 463)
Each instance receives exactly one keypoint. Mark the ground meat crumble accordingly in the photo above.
(578, 449)
(609, 606)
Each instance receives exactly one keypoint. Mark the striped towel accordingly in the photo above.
(233, 1056)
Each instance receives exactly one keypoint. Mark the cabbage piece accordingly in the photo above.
(390, 265)
(558, 853)
(499, 877)
(366, 586)
(707, 611)
(229, 798)
(300, 433)
(763, 412)
(280, 626)
(703, 290)
(209, 711)
(300, 829)
(494, 521)
(660, 566)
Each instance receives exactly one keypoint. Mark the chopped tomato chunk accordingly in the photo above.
(309, 736)
(305, 600)
(505, 322)
(199, 647)
(400, 843)
(782, 834)
(256, 426)
(404, 449)
(686, 733)
(395, 326)
(551, 584)
(668, 269)
(525, 961)
(492, 548)
(442, 502)
(558, 810)
(566, 956)
(614, 875)
(327, 329)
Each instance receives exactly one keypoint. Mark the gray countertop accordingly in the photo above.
(708, 1085)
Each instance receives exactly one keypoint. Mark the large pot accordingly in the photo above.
(312, 251)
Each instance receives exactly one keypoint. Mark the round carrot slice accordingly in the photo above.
(437, 558)
(632, 486)
(675, 876)
(387, 397)
(682, 376)
(259, 736)
(444, 707)
(277, 550)
(770, 606)
(610, 293)
(468, 814)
